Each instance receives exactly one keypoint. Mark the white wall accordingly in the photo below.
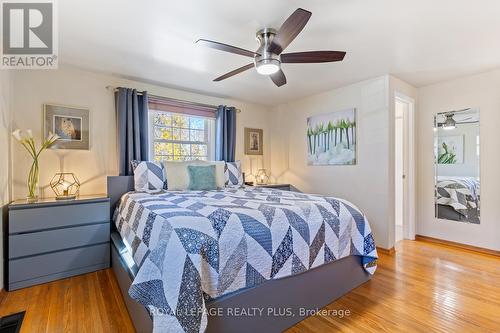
(5, 118)
(75, 87)
(481, 91)
(364, 184)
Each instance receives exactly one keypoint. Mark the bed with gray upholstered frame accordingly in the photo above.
(312, 289)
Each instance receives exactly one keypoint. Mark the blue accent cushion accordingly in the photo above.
(148, 176)
(202, 178)
(233, 174)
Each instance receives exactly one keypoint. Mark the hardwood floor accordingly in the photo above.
(423, 287)
(85, 303)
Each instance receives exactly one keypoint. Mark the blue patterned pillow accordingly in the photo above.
(148, 176)
(202, 177)
(234, 177)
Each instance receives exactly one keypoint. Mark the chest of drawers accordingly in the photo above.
(50, 240)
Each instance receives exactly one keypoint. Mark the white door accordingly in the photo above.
(399, 168)
(404, 228)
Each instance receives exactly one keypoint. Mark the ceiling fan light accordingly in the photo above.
(449, 123)
(268, 66)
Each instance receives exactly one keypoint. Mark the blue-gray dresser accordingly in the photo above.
(53, 239)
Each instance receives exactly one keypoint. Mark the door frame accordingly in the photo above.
(409, 229)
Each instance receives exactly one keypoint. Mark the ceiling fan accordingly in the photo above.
(450, 123)
(269, 57)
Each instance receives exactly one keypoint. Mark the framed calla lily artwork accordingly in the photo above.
(331, 138)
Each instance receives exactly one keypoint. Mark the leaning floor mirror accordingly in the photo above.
(457, 183)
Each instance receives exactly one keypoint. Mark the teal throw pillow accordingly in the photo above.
(202, 178)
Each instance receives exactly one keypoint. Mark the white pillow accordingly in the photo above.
(178, 177)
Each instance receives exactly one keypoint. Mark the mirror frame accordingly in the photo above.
(436, 153)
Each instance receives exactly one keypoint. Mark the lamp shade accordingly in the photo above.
(65, 185)
(262, 178)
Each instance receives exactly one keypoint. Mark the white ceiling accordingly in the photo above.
(421, 42)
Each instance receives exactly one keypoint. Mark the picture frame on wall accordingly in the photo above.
(254, 141)
(332, 138)
(70, 123)
(450, 149)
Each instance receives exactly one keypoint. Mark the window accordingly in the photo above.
(180, 137)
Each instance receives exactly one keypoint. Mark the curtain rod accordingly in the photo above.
(111, 88)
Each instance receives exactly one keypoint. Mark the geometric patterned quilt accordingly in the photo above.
(461, 193)
(194, 246)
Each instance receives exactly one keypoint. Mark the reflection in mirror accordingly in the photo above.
(456, 147)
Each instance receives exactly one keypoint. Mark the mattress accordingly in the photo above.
(192, 247)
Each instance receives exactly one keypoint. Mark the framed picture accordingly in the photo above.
(331, 138)
(253, 141)
(451, 149)
(70, 123)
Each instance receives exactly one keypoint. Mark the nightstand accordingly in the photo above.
(54, 239)
(283, 187)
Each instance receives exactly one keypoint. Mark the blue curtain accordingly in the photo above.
(225, 133)
(132, 128)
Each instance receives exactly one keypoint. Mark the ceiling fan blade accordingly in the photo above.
(236, 71)
(312, 57)
(289, 30)
(278, 78)
(227, 48)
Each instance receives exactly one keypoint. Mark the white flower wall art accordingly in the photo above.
(331, 138)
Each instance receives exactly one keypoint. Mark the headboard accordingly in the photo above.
(118, 186)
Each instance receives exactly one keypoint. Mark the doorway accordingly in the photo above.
(404, 224)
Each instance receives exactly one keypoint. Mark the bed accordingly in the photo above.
(245, 260)
(458, 198)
